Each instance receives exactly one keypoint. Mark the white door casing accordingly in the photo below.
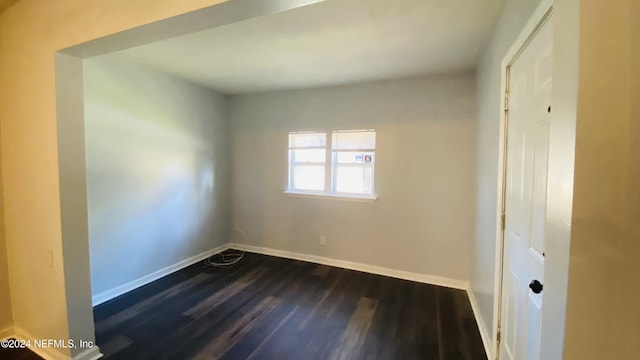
(528, 117)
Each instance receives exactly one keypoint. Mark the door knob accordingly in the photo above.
(535, 286)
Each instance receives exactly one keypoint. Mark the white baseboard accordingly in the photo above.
(399, 274)
(94, 353)
(50, 353)
(89, 354)
(117, 291)
(6, 333)
(484, 332)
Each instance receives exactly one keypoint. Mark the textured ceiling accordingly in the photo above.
(329, 43)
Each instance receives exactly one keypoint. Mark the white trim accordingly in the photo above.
(92, 353)
(119, 290)
(542, 13)
(484, 331)
(366, 198)
(399, 274)
(89, 354)
(6, 333)
(46, 353)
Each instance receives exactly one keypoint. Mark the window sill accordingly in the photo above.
(365, 199)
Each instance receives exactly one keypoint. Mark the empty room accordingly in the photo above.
(318, 179)
(312, 144)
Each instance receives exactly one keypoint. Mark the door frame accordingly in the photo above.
(541, 15)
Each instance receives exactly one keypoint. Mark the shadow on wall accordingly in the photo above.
(156, 171)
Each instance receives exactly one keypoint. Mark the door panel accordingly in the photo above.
(535, 323)
(510, 320)
(539, 196)
(529, 119)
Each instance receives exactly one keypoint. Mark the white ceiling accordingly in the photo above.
(329, 43)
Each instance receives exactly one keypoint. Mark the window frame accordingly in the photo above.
(293, 164)
(335, 164)
(330, 167)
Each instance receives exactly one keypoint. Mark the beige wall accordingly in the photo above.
(628, 318)
(483, 247)
(4, 4)
(30, 33)
(425, 135)
(602, 301)
(6, 320)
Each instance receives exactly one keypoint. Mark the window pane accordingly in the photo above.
(307, 139)
(354, 179)
(354, 140)
(353, 157)
(308, 178)
(311, 155)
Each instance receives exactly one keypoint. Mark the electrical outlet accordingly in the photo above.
(323, 240)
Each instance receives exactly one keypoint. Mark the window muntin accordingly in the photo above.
(351, 163)
(307, 161)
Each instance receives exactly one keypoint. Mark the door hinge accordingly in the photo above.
(503, 220)
(499, 336)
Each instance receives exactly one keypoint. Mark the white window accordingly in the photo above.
(307, 162)
(351, 163)
(354, 154)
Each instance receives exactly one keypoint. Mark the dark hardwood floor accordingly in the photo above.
(272, 308)
(18, 354)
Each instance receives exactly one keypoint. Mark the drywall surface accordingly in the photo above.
(156, 152)
(6, 319)
(5, 4)
(630, 296)
(628, 322)
(73, 205)
(30, 33)
(483, 246)
(422, 221)
(602, 306)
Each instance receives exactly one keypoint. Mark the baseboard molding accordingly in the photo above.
(405, 275)
(48, 353)
(6, 333)
(132, 285)
(45, 353)
(89, 354)
(484, 332)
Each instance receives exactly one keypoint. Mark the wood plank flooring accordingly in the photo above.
(18, 354)
(273, 308)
